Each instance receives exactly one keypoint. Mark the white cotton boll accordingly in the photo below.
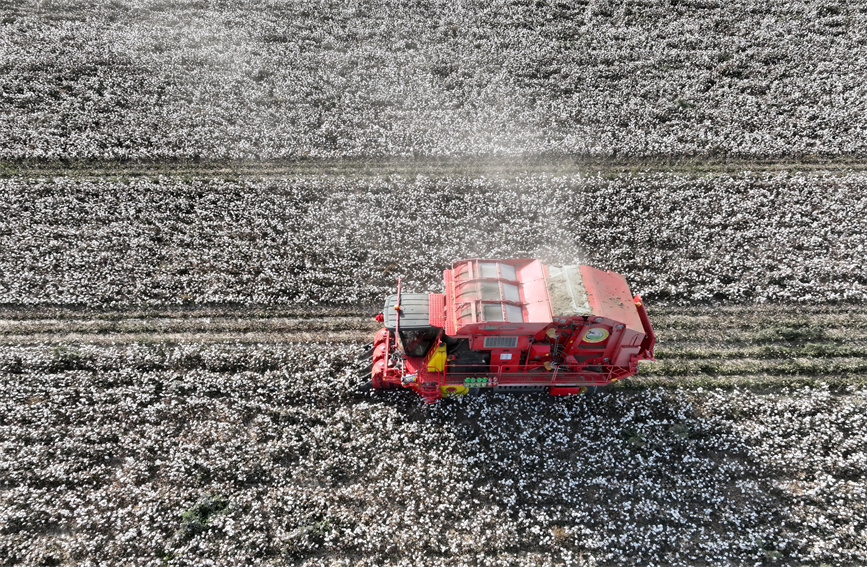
(433, 82)
(318, 241)
(252, 453)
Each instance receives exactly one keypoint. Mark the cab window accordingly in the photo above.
(416, 342)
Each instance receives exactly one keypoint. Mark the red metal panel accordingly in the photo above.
(567, 391)
(436, 309)
(465, 306)
(535, 291)
(506, 360)
(451, 327)
(609, 296)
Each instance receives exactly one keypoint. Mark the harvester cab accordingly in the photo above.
(415, 333)
(512, 325)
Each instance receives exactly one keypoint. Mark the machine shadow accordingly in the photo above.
(644, 474)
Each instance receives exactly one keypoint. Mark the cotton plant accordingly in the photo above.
(255, 452)
(331, 240)
(132, 80)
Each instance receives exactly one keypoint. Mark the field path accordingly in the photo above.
(698, 346)
(490, 166)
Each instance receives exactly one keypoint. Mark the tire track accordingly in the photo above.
(722, 346)
(343, 329)
(442, 166)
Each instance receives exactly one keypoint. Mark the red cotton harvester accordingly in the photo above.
(511, 325)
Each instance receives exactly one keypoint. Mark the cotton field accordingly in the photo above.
(335, 240)
(266, 79)
(187, 454)
(204, 202)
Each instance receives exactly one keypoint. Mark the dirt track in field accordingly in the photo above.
(487, 166)
(719, 346)
(188, 329)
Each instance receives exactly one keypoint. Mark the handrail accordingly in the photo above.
(397, 313)
(534, 373)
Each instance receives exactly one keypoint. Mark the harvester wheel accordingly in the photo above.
(591, 391)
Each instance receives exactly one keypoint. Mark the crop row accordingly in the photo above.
(808, 350)
(809, 367)
(155, 80)
(326, 240)
(141, 459)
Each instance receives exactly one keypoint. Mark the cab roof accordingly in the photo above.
(414, 311)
